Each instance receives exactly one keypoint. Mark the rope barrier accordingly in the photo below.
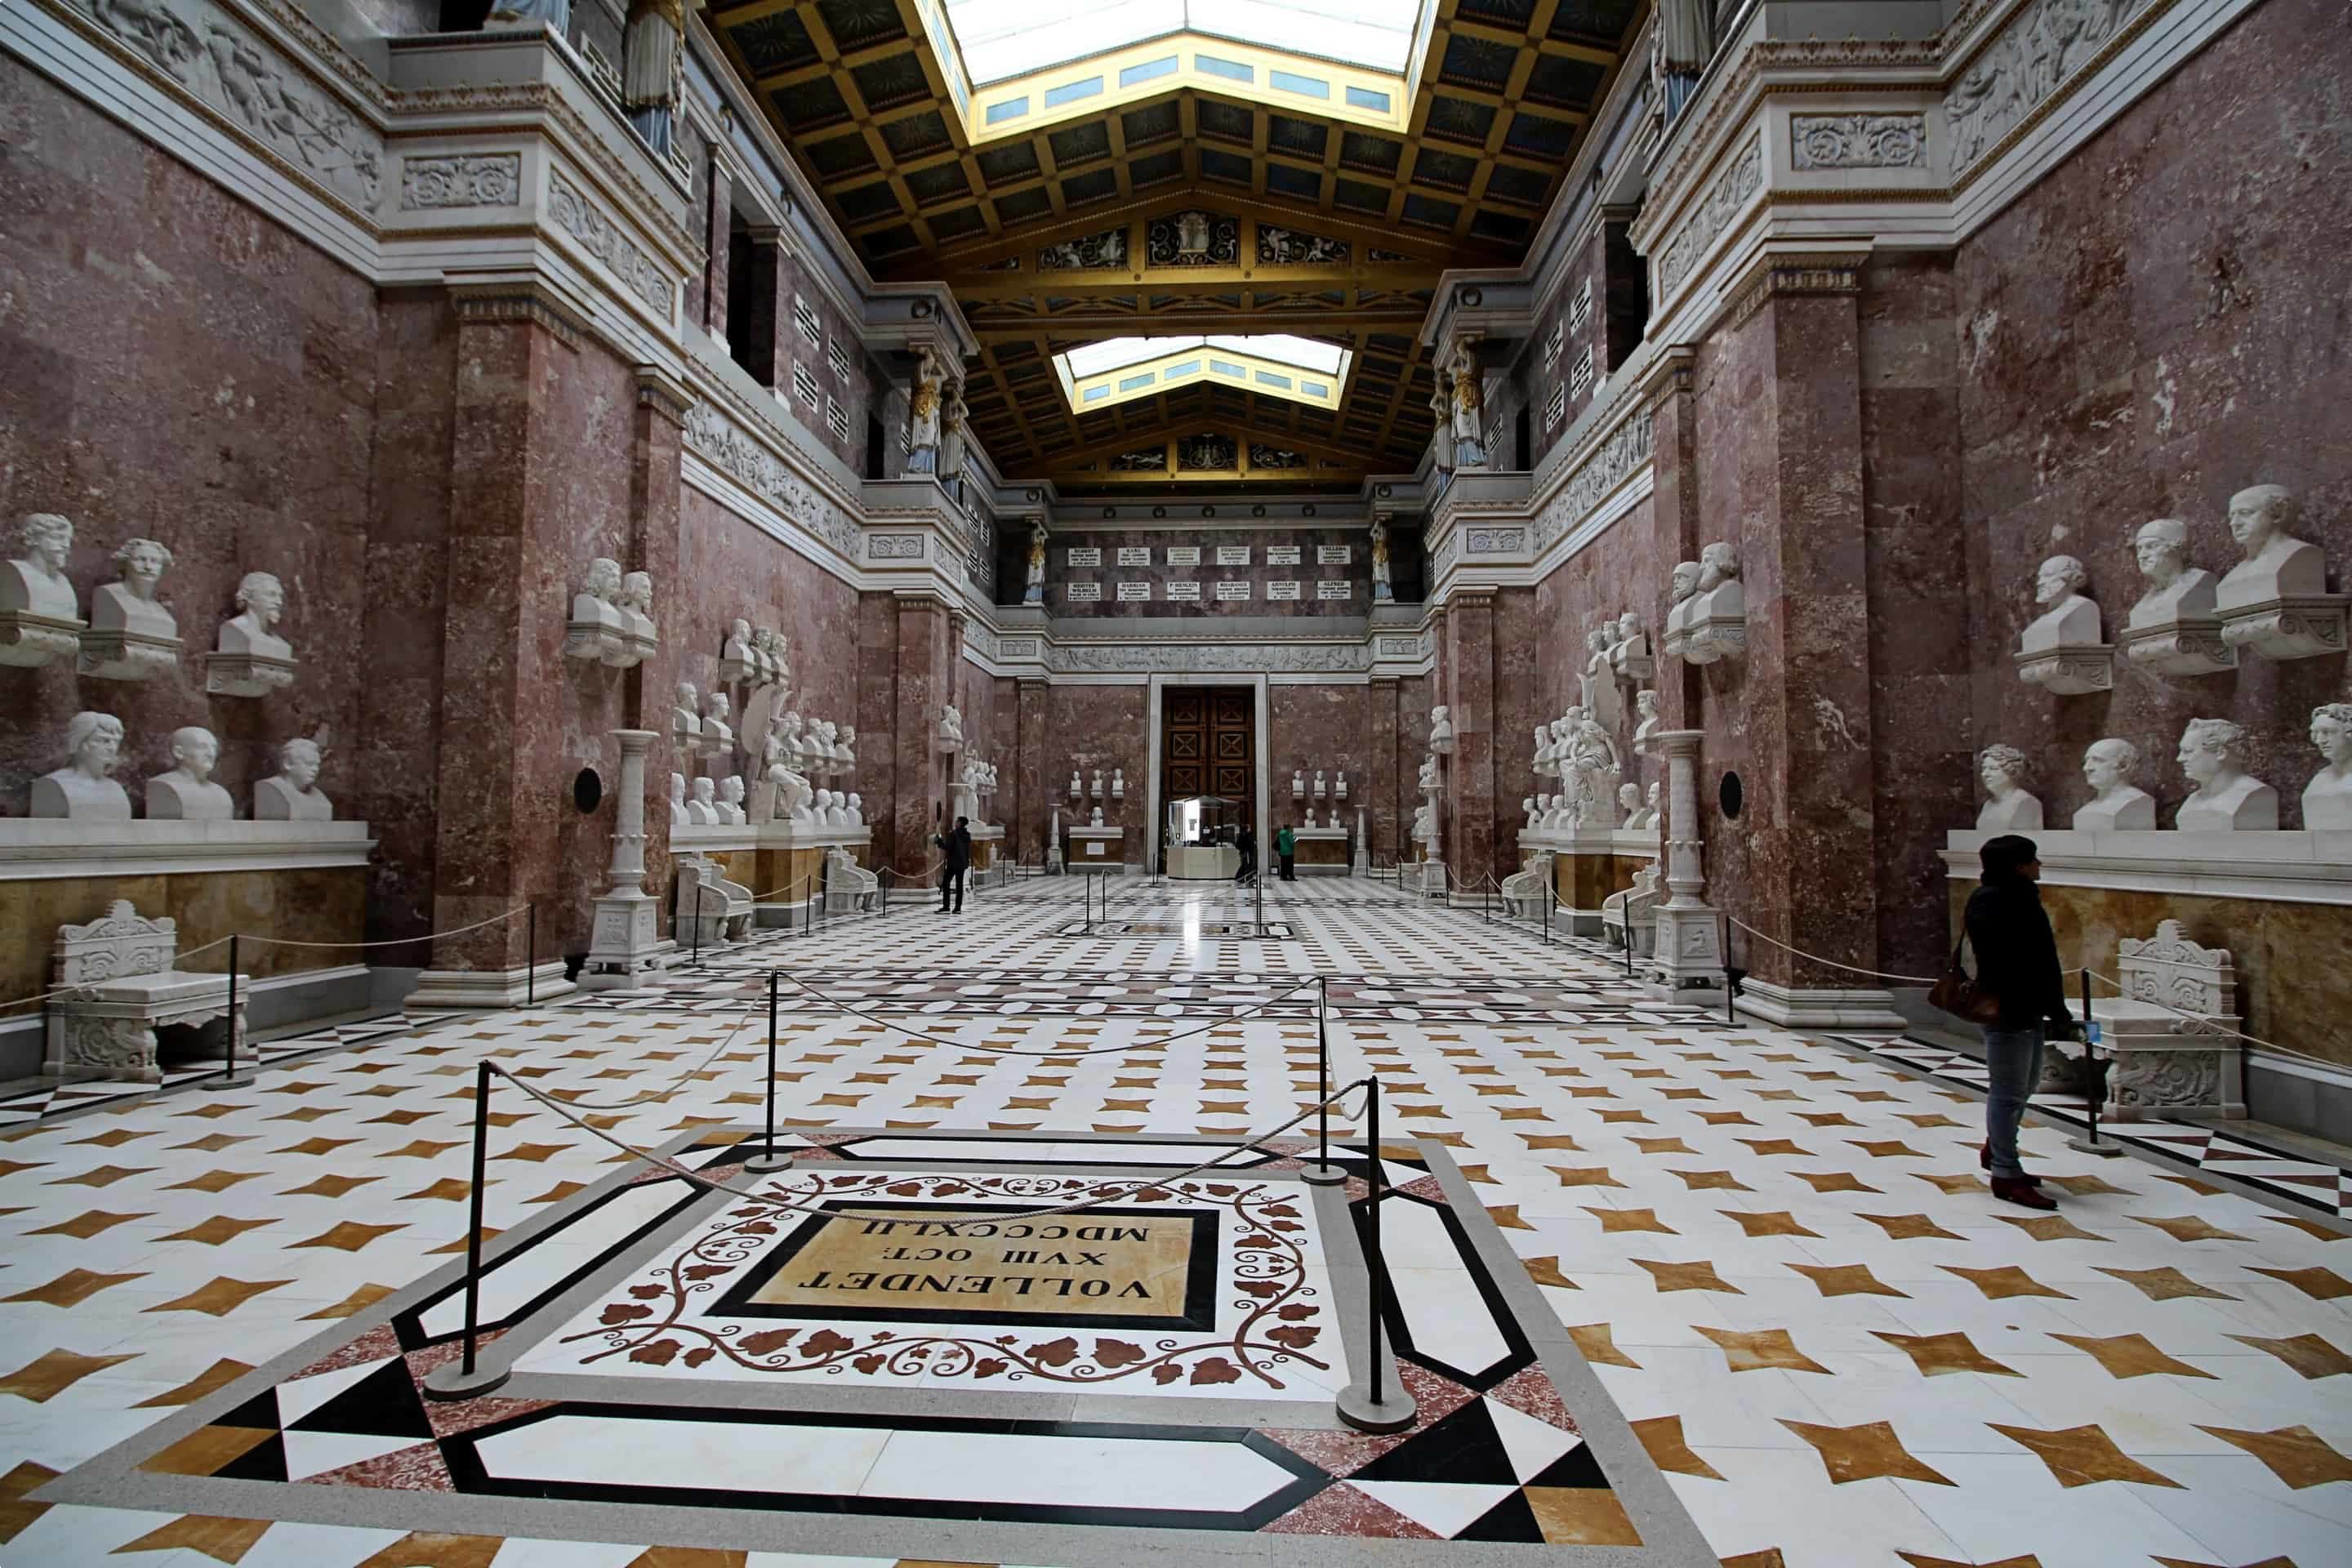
(1095, 1195)
(1009, 1051)
(1832, 963)
(87, 985)
(2206, 1018)
(381, 941)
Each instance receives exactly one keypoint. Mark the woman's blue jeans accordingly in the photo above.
(2013, 1060)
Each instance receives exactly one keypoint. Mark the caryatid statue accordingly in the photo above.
(1381, 588)
(923, 416)
(1469, 409)
(1035, 593)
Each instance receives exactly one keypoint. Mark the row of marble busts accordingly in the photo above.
(721, 803)
(131, 635)
(611, 617)
(1578, 750)
(753, 656)
(84, 790)
(2273, 602)
(1298, 787)
(2212, 754)
(1557, 813)
(1117, 785)
(1708, 617)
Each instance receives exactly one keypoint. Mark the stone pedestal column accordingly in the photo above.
(1690, 935)
(1363, 859)
(624, 947)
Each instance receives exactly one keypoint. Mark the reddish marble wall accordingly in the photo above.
(179, 368)
(2155, 326)
(728, 568)
(1356, 574)
(1105, 727)
(1312, 727)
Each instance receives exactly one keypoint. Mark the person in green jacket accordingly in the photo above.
(1285, 842)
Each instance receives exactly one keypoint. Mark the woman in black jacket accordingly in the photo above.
(2017, 962)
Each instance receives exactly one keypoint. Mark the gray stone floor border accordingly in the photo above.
(1671, 1538)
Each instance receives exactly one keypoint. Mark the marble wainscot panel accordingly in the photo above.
(1098, 848)
(1589, 863)
(1321, 851)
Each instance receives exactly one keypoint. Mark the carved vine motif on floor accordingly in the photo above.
(1278, 1323)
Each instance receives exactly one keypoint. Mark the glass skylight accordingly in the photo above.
(1000, 39)
(1112, 354)
(1116, 369)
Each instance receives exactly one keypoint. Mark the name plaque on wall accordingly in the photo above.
(1135, 555)
(1334, 555)
(1081, 593)
(1282, 590)
(1234, 590)
(1129, 592)
(1086, 557)
(1335, 589)
(1232, 555)
(1183, 555)
(1282, 555)
(1186, 589)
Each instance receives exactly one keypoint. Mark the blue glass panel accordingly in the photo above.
(1223, 367)
(1232, 70)
(1129, 384)
(1010, 109)
(1365, 98)
(1306, 86)
(1071, 90)
(1164, 66)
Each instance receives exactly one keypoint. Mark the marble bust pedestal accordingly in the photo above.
(2175, 629)
(39, 617)
(2122, 810)
(2062, 652)
(70, 793)
(129, 639)
(180, 798)
(2276, 605)
(2244, 804)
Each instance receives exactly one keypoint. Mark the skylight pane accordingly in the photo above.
(1374, 34)
(1000, 39)
(1112, 352)
(1306, 353)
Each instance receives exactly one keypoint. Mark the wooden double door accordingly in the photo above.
(1208, 745)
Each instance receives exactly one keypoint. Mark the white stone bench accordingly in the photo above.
(124, 989)
(719, 910)
(2171, 1040)
(848, 888)
(1631, 916)
(1525, 891)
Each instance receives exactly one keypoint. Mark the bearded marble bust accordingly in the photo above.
(2068, 619)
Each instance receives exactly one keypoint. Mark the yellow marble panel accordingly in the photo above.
(1582, 882)
(2294, 961)
(311, 904)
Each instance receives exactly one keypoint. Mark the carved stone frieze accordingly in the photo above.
(710, 435)
(2043, 43)
(1495, 540)
(1730, 191)
(894, 546)
(1627, 449)
(603, 238)
(199, 49)
(461, 180)
(1858, 140)
(1087, 253)
(1130, 659)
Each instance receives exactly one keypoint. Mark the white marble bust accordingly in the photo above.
(129, 604)
(1680, 594)
(1298, 783)
(260, 602)
(2327, 798)
(1528, 810)
(2116, 805)
(738, 649)
(2177, 591)
(1320, 785)
(1543, 747)
(1645, 703)
(703, 809)
(1650, 816)
(1096, 820)
(1720, 596)
(636, 606)
(1077, 788)
(2010, 808)
(187, 793)
(292, 793)
(1629, 654)
(35, 581)
(731, 800)
(718, 735)
(2277, 565)
(1098, 783)
(596, 603)
(2226, 800)
(950, 726)
(684, 717)
(678, 816)
(81, 789)
(845, 746)
(1440, 725)
(1629, 801)
(856, 809)
(2068, 619)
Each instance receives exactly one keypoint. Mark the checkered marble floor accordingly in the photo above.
(1776, 1252)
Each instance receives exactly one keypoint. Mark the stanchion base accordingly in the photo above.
(2107, 1148)
(451, 1380)
(220, 1084)
(1394, 1411)
(1317, 1175)
(772, 1161)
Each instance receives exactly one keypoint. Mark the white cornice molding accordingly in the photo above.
(33, 849)
(2300, 868)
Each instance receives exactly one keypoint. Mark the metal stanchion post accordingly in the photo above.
(228, 1079)
(1322, 1172)
(1373, 1404)
(461, 1379)
(531, 959)
(2092, 1144)
(767, 1160)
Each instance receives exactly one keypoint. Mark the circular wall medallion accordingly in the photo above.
(1731, 794)
(1208, 511)
(1160, 512)
(1257, 511)
(1385, 492)
(1474, 296)
(922, 310)
(1307, 510)
(1111, 511)
(587, 791)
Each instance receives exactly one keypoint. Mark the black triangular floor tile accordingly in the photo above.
(265, 1461)
(1464, 1448)
(260, 1412)
(1510, 1520)
(384, 1403)
(1577, 1468)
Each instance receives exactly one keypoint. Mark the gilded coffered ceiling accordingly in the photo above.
(1184, 185)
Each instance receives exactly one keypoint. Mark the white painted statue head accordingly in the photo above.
(2212, 750)
(2260, 514)
(47, 538)
(719, 706)
(2109, 765)
(733, 789)
(298, 760)
(1629, 627)
(2331, 731)
(194, 750)
(690, 698)
(739, 630)
(263, 597)
(2002, 769)
(706, 791)
(1597, 639)
(604, 579)
(857, 803)
(1629, 795)
(1686, 580)
(677, 789)
(1718, 563)
(94, 744)
(2161, 548)
(1646, 702)
(2060, 576)
(143, 562)
(637, 594)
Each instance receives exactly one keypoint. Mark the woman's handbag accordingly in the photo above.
(1958, 994)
